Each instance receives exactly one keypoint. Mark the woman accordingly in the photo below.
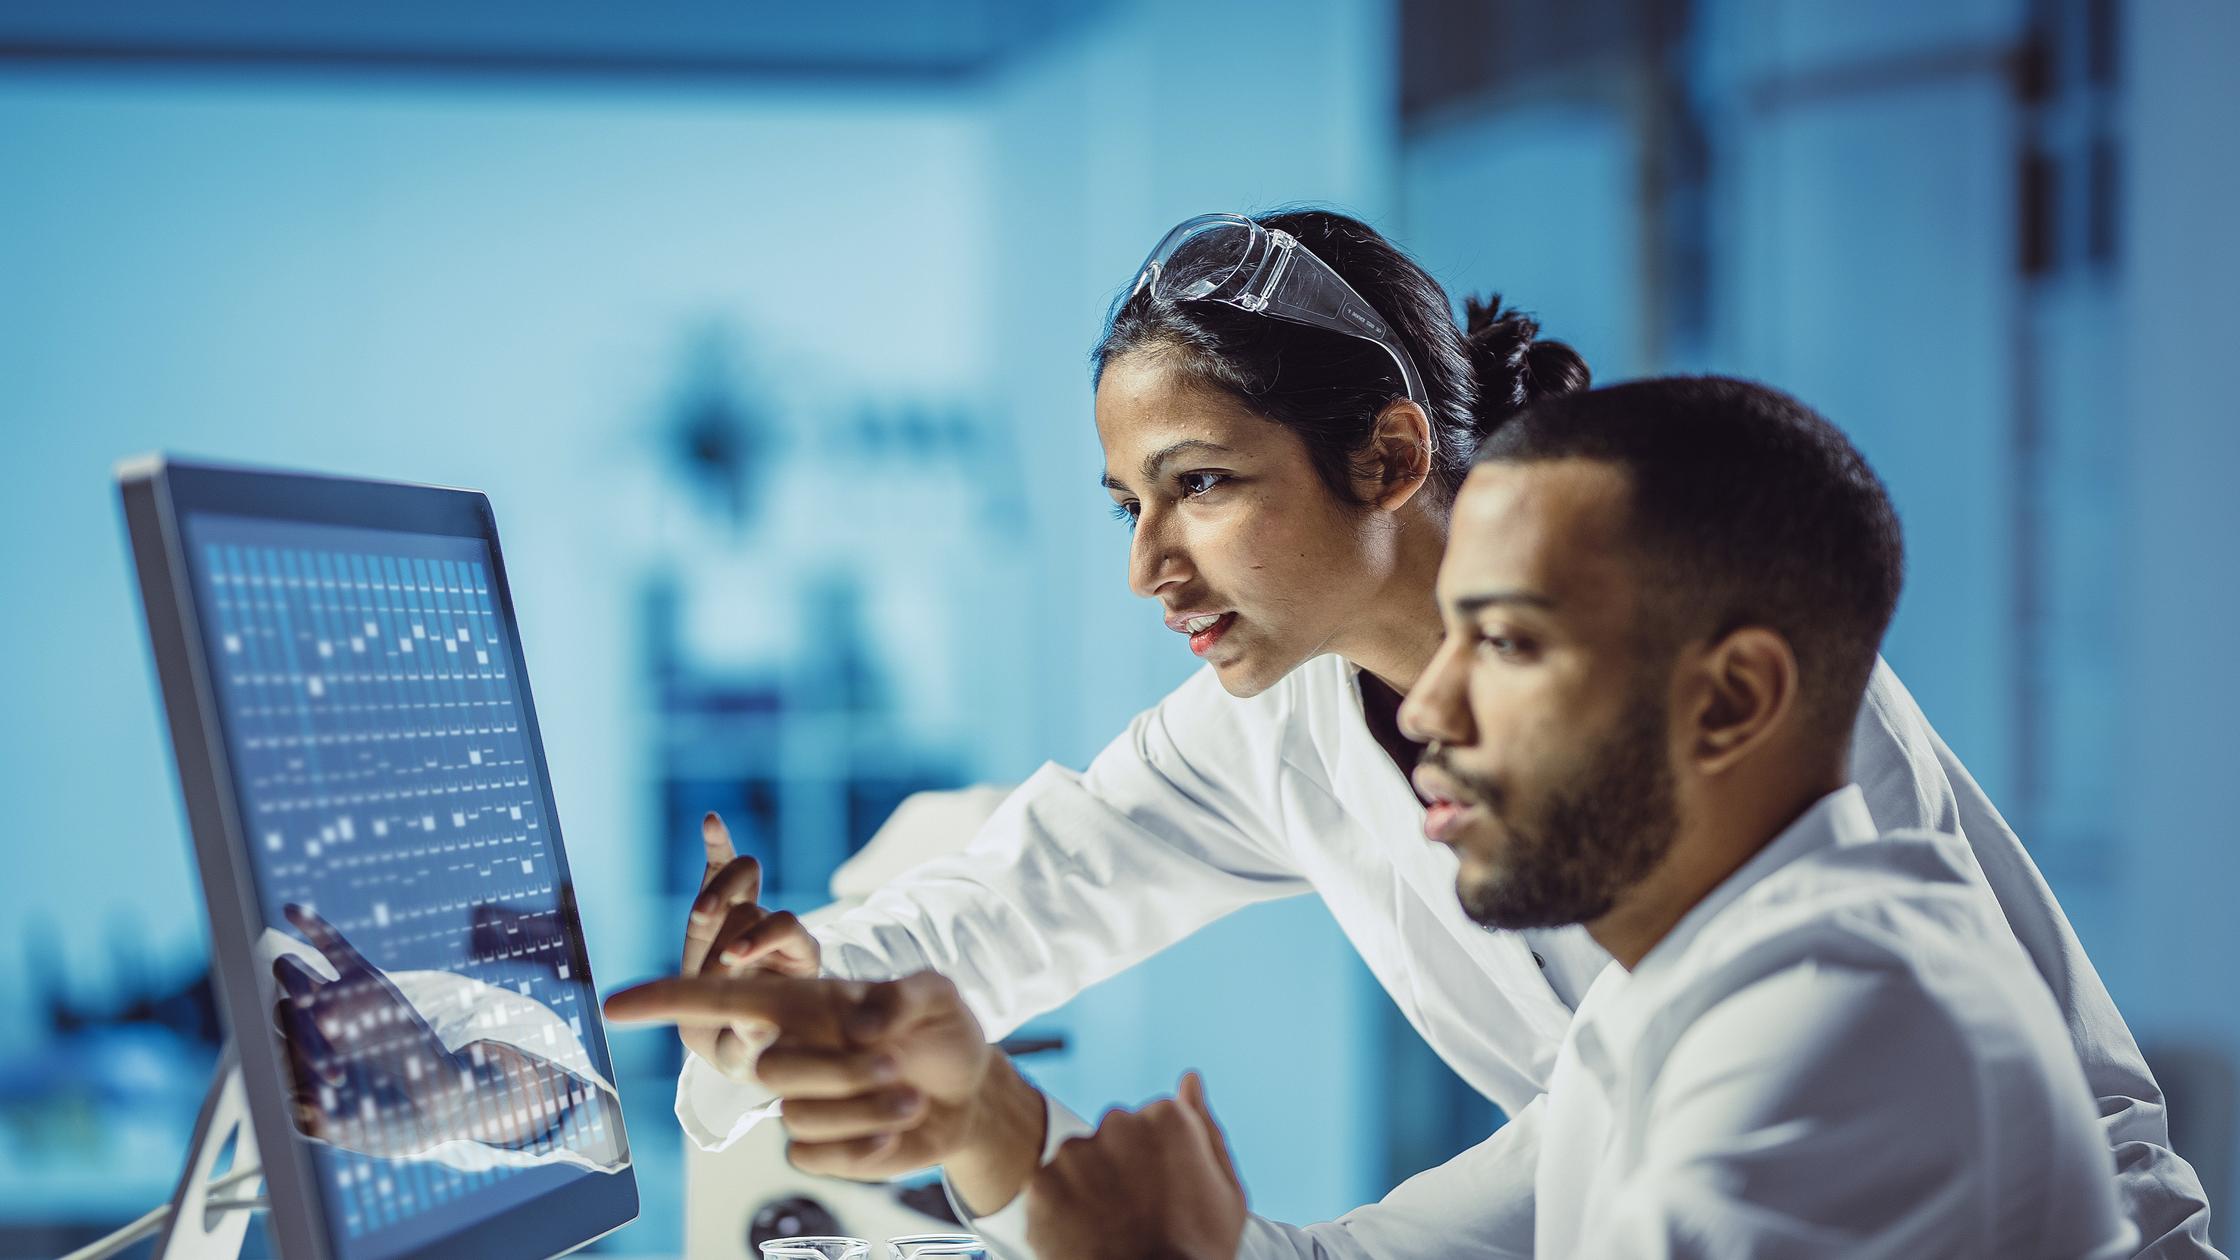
(1284, 434)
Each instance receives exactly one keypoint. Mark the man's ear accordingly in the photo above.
(1397, 460)
(1743, 687)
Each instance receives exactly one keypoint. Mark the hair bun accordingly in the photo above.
(1498, 336)
(1513, 366)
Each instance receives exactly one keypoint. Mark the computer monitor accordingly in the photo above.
(394, 936)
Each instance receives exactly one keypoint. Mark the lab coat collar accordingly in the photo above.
(1619, 1007)
(1837, 819)
(1363, 772)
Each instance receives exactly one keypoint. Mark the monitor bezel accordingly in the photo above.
(159, 494)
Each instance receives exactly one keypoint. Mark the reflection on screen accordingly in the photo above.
(431, 992)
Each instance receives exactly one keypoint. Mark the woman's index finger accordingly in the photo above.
(717, 839)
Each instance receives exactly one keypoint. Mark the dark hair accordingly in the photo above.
(1747, 509)
(1328, 387)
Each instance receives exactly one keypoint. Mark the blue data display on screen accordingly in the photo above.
(389, 787)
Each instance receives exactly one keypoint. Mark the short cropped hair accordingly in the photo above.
(1747, 509)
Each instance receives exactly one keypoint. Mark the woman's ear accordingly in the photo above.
(1746, 685)
(1397, 461)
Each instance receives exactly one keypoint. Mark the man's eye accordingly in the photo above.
(1126, 513)
(1503, 646)
(1197, 483)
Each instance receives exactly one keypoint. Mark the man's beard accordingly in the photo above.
(1567, 855)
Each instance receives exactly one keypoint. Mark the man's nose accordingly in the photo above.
(1437, 707)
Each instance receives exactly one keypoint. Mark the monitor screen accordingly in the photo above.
(429, 973)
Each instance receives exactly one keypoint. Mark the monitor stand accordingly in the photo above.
(207, 1216)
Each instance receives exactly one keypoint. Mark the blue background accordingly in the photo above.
(765, 330)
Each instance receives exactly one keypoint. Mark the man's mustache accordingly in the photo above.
(1476, 789)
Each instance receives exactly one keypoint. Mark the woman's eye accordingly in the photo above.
(1197, 483)
(1125, 513)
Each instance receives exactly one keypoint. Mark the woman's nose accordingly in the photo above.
(1155, 561)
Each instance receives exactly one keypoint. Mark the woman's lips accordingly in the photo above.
(1203, 641)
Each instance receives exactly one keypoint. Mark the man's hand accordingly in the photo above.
(728, 933)
(876, 1080)
(1154, 1184)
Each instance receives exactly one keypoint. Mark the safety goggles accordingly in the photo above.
(1230, 258)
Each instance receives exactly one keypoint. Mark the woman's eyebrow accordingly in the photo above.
(1153, 461)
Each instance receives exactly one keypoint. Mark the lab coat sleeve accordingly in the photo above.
(1074, 878)
(1911, 780)
(713, 1110)
(1005, 1231)
(1476, 1206)
(1824, 1112)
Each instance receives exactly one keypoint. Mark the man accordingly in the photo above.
(1662, 601)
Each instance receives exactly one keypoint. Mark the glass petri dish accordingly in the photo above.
(936, 1247)
(816, 1248)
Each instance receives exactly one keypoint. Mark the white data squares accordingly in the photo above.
(342, 706)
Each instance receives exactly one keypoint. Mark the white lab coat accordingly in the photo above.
(1208, 803)
(1841, 1051)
